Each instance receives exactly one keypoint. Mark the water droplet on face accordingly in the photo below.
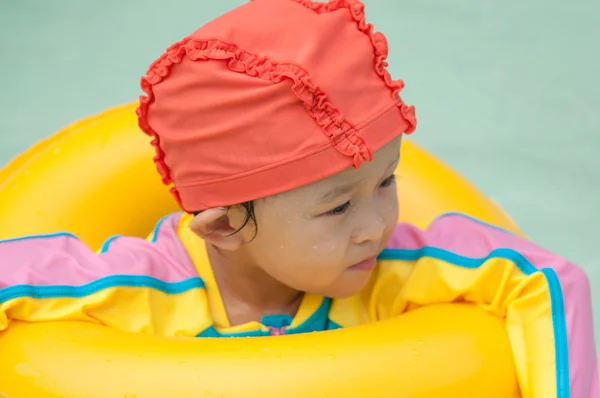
(315, 247)
(416, 353)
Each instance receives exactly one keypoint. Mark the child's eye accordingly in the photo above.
(339, 210)
(344, 208)
(388, 181)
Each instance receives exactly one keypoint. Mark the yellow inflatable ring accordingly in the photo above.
(102, 166)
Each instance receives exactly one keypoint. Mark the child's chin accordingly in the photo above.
(348, 289)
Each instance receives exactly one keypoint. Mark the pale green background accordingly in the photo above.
(506, 91)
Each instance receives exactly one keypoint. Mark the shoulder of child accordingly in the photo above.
(467, 236)
(63, 259)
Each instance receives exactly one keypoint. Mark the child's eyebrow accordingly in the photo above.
(344, 189)
(338, 191)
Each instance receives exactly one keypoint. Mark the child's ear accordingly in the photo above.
(215, 227)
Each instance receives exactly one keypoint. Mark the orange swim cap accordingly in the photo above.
(271, 96)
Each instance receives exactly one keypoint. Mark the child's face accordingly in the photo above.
(309, 238)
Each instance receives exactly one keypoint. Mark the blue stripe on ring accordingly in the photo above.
(42, 236)
(153, 236)
(65, 291)
(107, 243)
(471, 218)
(559, 323)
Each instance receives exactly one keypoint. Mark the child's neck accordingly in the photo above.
(248, 293)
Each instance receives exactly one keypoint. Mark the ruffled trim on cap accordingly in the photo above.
(380, 48)
(341, 132)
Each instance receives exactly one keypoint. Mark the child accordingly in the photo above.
(279, 129)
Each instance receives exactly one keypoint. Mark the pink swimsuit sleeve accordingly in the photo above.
(37, 272)
(461, 239)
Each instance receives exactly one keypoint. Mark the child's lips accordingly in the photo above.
(365, 265)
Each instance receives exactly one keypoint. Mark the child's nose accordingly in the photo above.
(370, 230)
